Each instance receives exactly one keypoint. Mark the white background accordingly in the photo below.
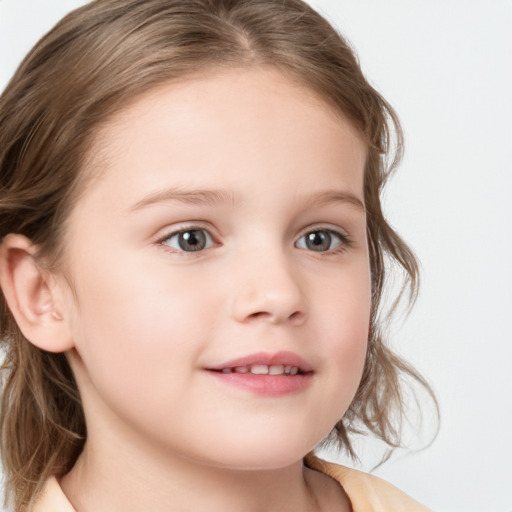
(446, 67)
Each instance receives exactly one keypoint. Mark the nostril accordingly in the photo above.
(275, 318)
(259, 314)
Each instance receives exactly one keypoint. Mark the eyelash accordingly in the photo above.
(345, 242)
(162, 241)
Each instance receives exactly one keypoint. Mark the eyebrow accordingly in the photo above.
(214, 197)
(208, 197)
(332, 197)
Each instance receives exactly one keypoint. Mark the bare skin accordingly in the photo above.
(272, 179)
(295, 490)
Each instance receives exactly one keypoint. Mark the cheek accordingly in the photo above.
(345, 319)
(134, 333)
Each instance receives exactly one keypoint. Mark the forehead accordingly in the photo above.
(215, 129)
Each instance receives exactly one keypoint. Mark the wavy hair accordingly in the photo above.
(87, 68)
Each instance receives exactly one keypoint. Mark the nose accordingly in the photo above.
(268, 290)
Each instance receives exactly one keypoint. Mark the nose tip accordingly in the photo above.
(273, 299)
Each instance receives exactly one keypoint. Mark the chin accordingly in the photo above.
(266, 454)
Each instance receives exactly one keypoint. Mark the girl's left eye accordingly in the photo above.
(323, 240)
(189, 240)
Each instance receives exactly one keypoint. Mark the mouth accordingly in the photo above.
(265, 374)
(279, 363)
(263, 369)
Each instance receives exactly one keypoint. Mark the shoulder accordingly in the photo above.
(367, 493)
(52, 499)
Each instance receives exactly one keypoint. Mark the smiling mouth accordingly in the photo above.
(263, 369)
(265, 363)
(266, 374)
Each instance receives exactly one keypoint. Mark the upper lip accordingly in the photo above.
(283, 358)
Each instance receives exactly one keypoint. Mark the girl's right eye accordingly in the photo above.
(189, 240)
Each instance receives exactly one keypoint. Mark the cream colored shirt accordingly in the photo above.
(367, 493)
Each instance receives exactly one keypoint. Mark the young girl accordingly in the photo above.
(192, 263)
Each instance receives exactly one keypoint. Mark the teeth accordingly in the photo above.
(276, 370)
(263, 369)
(259, 369)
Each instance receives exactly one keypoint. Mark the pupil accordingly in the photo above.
(192, 241)
(319, 241)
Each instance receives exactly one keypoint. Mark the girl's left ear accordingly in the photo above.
(34, 296)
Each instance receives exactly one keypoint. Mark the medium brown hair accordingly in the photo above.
(96, 60)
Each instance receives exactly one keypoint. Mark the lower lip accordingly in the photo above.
(266, 385)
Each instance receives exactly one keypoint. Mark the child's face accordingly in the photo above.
(265, 183)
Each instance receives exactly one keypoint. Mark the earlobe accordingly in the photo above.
(33, 296)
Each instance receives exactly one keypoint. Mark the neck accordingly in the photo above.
(107, 477)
